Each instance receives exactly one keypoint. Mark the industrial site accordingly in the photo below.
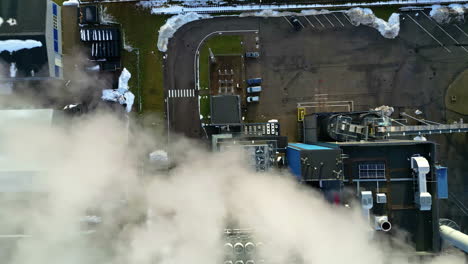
(233, 132)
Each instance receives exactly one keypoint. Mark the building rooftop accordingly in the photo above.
(23, 16)
(225, 109)
(26, 60)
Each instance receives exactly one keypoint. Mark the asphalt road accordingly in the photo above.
(179, 83)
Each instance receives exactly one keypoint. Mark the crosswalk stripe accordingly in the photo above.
(182, 93)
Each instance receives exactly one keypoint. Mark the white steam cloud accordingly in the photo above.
(90, 168)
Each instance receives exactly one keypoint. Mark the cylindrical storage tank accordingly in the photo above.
(238, 248)
(228, 250)
(249, 248)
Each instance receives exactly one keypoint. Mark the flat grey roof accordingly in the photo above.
(225, 109)
(30, 16)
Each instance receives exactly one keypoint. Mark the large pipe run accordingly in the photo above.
(454, 237)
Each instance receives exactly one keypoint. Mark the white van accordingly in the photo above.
(254, 89)
(253, 99)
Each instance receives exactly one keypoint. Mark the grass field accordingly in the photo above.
(218, 45)
(226, 44)
(140, 30)
(457, 94)
(384, 12)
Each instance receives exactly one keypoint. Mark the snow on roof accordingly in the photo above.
(71, 3)
(13, 45)
(12, 22)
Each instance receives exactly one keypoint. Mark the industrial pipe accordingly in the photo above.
(454, 237)
(385, 225)
(382, 223)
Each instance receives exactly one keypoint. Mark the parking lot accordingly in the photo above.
(331, 61)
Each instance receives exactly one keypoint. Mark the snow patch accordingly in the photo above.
(12, 22)
(121, 95)
(385, 109)
(123, 79)
(151, 4)
(126, 45)
(447, 14)
(13, 45)
(158, 155)
(273, 13)
(13, 70)
(173, 24)
(105, 17)
(188, 6)
(71, 3)
(1, 21)
(366, 17)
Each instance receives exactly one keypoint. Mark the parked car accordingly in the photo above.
(254, 89)
(251, 99)
(252, 54)
(296, 23)
(254, 81)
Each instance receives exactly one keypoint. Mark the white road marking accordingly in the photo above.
(440, 43)
(182, 93)
(338, 20)
(329, 20)
(464, 33)
(347, 18)
(450, 36)
(287, 20)
(309, 21)
(319, 21)
(300, 23)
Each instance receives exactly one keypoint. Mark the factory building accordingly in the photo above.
(30, 41)
(352, 155)
(385, 176)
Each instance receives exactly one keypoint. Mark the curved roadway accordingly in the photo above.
(179, 71)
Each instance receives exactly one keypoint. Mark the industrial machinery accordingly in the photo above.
(371, 125)
(398, 181)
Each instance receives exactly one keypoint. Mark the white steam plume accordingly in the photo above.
(91, 168)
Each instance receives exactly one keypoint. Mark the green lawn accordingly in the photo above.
(218, 45)
(205, 107)
(221, 44)
(384, 12)
(456, 97)
(140, 29)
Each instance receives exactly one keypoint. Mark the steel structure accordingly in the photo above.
(374, 125)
